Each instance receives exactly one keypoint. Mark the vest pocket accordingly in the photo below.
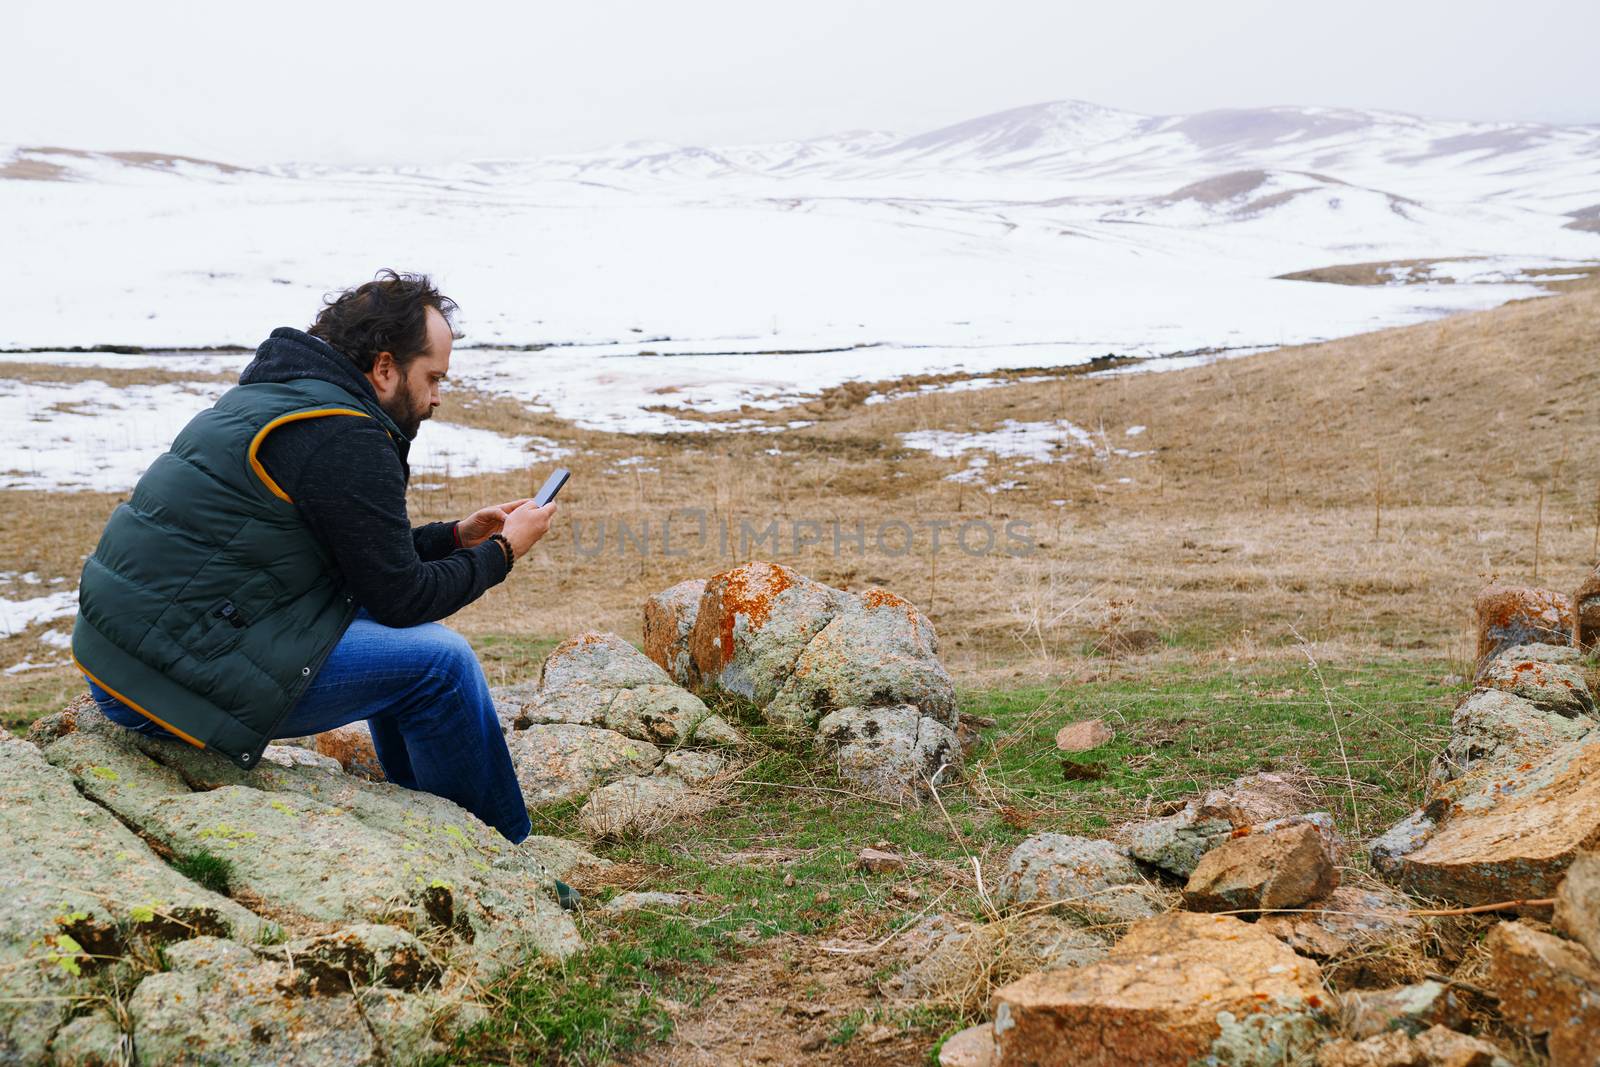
(224, 620)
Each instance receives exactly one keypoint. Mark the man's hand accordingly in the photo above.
(526, 524)
(476, 528)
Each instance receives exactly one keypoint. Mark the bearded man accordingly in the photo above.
(263, 579)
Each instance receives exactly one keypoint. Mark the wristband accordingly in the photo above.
(455, 532)
(505, 546)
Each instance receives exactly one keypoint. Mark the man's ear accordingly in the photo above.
(384, 370)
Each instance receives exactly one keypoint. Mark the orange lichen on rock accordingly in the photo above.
(1509, 616)
(747, 590)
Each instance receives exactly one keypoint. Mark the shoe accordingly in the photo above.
(567, 896)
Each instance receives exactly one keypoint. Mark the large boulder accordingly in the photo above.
(1280, 869)
(1586, 612)
(1549, 988)
(1509, 616)
(878, 650)
(890, 753)
(80, 891)
(1092, 879)
(751, 625)
(314, 845)
(1178, 988)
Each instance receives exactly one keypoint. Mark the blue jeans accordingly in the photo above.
(427, 703)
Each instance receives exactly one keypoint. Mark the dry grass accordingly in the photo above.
(1359, 491)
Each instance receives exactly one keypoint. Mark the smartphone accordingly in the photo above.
(552, 486)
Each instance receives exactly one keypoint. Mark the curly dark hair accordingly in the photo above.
(387, 314)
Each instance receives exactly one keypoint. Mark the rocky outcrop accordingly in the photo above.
(1515, 795)
(862, 669)
(1177, 989)
(347, 921)
(1252, 804)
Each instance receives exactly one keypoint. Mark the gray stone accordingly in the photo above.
(1405, 836)
(638, 807)
(1176, 842)
(890, 753)
(1553, 687)
(595, 658)
(559, 761)
(362, 954)
(77, 886)
(878, 650)
(1408, 1008)
(972, 1047)
(1085, 877)
(92, 1040)
(692, 768)
(626, 902)
(1491, 728)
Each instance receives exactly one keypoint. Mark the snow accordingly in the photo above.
(88, 435)
(1031, 442)
(18, 615)
(642, 284)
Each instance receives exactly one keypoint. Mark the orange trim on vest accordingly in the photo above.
(261, 435)
(158, 721)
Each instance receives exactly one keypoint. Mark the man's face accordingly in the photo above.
(409, 396)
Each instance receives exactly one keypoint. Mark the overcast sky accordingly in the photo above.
(401, 81)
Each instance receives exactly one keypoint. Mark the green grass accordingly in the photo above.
(212, 872)
(1177, 731)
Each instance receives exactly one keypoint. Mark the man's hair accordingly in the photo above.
(387, 314)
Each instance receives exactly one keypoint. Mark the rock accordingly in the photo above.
(953, 961)
(351, 747)
(1092, 879)
(1361, 935)
(876, 651)
(877, 861)
(1509, 616)
(1176, 842)
(1578, 902)
(1177, 988)
(1554, 687)
(890, 753)
(313, 845)
(1514, 836)
(91, 1041)
(1409, 1008)
(1281, 869)
(640, 807)
(1547, 987)
(1586, 612)
(1491, 728)
(245, 1012)
(626, 902)
(1082, 736)
(1406, 836)
(1384, 1050)
(596, 658)
(668, 620)
(751, 625)
(1443, 1047)
(559, 761)
(692, 768)
(360, 955)
(76, 884)
(972, 1047)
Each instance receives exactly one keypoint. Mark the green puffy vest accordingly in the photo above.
(208, 605)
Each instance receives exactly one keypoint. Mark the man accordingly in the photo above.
(263, 580)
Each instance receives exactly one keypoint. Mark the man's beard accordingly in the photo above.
(402, 408)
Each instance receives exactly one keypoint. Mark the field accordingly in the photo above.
(1276, 572)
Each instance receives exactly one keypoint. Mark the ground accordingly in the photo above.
(1276, 573)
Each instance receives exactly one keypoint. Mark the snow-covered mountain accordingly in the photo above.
(1038, 235)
